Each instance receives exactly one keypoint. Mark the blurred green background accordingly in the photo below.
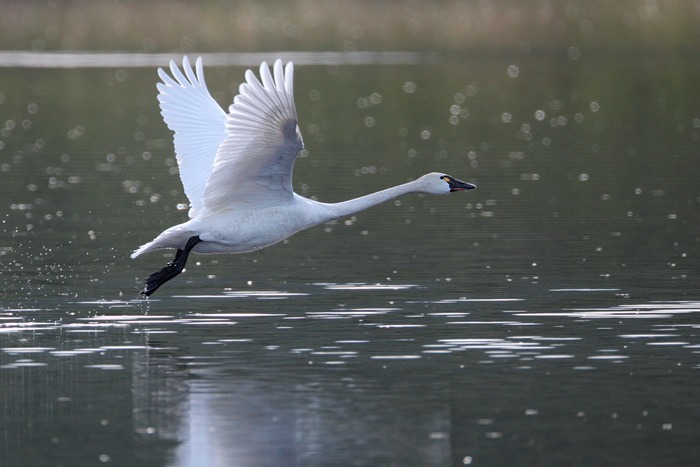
(456, 26)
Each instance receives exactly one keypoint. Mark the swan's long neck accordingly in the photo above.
(336, 210)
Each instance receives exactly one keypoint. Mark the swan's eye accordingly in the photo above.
(446, 178)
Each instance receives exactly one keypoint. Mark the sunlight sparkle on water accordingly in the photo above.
(363, 286)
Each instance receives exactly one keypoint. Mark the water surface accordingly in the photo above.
(548, 318)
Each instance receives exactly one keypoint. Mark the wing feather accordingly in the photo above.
(199, 124)
(254, 162)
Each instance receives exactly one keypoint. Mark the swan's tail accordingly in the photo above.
(143, 249)
(174, 237)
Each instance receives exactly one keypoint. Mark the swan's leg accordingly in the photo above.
(172, 269)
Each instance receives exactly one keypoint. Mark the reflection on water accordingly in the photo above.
(552, 317)
(264, 387)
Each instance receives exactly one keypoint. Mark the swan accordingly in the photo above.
(236, 168)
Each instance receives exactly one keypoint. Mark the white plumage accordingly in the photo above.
(236, 169)
(199, 125)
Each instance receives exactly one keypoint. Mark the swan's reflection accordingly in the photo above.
(247, 416)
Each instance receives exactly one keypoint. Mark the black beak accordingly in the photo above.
(458, 185)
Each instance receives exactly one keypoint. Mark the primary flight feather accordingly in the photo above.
(236, 168)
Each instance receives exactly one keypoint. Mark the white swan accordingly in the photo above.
(237, 168)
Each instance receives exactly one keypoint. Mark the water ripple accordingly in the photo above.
(365, 286)
(410, 328)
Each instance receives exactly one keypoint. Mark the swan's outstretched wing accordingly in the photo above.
(253, 167)
(199, 124)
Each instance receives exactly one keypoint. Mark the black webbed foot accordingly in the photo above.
(171, 270)
(159, 278)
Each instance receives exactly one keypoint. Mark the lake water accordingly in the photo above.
(551, 317)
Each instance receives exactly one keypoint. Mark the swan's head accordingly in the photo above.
(437, 183)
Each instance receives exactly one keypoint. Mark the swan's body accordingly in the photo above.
(236, 169)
